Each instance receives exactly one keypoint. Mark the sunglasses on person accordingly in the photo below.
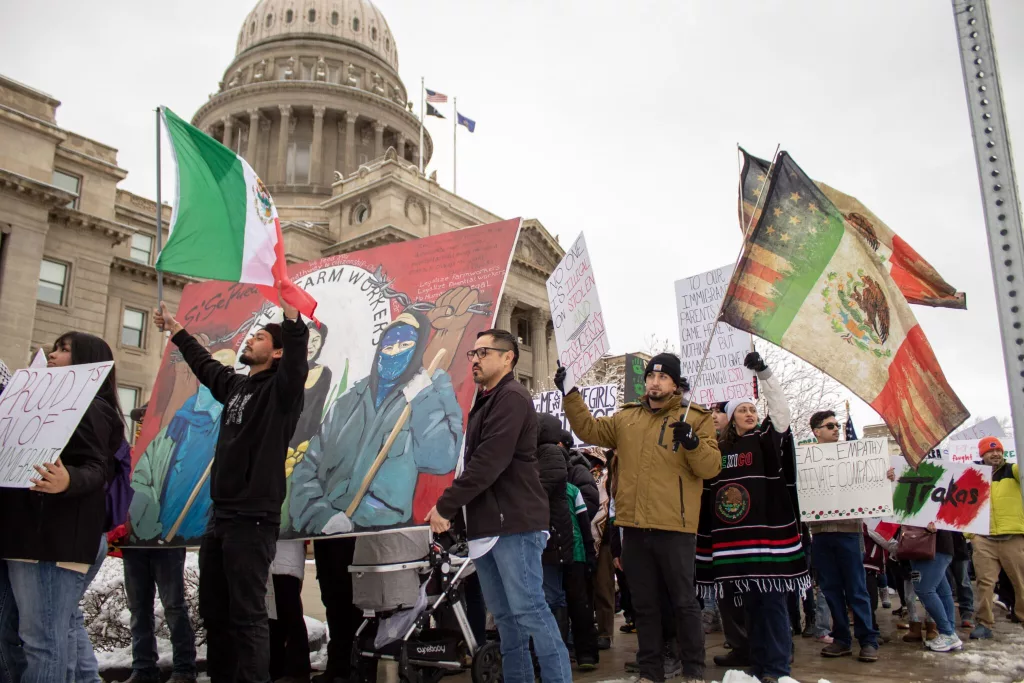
(829, 425)
(481, 352)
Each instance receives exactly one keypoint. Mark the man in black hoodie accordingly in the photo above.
(247, 487)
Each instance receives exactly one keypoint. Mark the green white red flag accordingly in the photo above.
(809, 282)
(224, 224)
(917, 279)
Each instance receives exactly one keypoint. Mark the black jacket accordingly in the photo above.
(500, 484)
(259, 418)
(66, 527)
(554, 478)
(581, 478)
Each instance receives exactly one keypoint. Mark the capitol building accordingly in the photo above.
(314, 103)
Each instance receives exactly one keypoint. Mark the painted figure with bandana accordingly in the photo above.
(359, 422)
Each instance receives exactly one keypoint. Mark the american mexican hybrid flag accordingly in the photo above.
(810, 282)
(224, 224)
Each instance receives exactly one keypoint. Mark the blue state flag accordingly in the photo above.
(467, 122)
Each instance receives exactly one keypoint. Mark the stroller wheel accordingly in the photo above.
(487, 663)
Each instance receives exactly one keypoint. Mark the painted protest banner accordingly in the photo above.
(698, 299)
(956, 496)
(601, 399)
(386, 316)
(633, 385)
(845, 480)
(39, 411)
(576, 315)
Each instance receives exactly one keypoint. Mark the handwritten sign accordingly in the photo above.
(963, 451)
(601, 399)
(988, 427)
(633, 384)
(39, 412)
(954, 496)
(845, 480)
(698, 299)
(576, 315)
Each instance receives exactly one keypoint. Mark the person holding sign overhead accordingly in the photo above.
(54, 531)
(663, 459)
(247, 486)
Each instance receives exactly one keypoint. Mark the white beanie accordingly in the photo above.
(732, 405)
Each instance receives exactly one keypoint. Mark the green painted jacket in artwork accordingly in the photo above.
(659, 483)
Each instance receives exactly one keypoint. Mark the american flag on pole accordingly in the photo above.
(436, 97)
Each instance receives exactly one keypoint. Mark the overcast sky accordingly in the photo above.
(620, 119)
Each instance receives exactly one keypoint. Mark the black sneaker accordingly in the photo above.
(837, 650)
(808, 631)
(732, 660)
(604, 643)
(868, 653)
(628, 627)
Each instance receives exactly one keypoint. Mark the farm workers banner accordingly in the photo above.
(385, 316)
(845, 480)
(955, 496)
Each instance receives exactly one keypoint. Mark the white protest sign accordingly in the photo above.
(845, 480)
(962, 451)
(988, 427)
(39, 411)
(576, 313)
(698, 299)
(39, 360)
(956, 496)
(601, 399)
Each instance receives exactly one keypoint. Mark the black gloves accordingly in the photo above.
(682, 433)
(560, 378)
(754, 362)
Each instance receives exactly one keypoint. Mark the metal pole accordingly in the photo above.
(999, 194)
(423, 116)
(159, 215)
(455, 142)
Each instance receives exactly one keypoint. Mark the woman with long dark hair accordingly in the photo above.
(53, 532)
(748, 541)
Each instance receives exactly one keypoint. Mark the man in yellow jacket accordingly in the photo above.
(1004, 545)
(663, 462)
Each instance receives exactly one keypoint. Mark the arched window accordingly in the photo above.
(334, 18)
(252, 28)
(387, 44)
(373, 33)
(289, 16)
(355, 24)
(270, 20)
(312, 16)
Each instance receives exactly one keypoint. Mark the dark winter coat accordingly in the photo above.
(581, 478)
(553, 477)
(500, 485)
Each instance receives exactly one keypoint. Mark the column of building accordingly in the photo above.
(282, 143)
(508, 304)
(316, 154)
(539, 337)
(254, 122)
(350, 142)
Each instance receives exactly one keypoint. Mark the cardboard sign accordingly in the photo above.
(633, 385)
(386, 361)
(988, 427)
(39, 411)
(601, 399)
(954, 496)
(845, 480)
(576, 315)
(698, 299)
(39, 360)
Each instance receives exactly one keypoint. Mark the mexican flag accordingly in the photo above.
(809, 282)
(224, 225)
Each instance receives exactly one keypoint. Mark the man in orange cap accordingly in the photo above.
(1004, 545)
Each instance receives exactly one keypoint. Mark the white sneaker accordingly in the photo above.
(945, 643)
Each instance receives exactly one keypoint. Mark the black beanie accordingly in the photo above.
(667, 363)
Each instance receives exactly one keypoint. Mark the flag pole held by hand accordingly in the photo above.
(382, 456)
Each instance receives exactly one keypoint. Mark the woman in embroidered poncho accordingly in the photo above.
(748, 543)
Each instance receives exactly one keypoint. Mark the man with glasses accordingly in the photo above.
(506, 512)
(837, 554)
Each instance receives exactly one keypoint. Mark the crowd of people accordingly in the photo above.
(683, 515)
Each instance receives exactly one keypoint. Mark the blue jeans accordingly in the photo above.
(962, 587)
(839, 563)
(933, 590)
(47, 598)
(82, 665)
(770, 637)
(146, 571)
(554, 591)
(513, 585)
(12, 659)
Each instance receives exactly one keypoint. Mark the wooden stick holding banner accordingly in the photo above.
(743, 250)
(382, 456)
(188, 504)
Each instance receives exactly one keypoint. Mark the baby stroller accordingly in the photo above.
(414, 611)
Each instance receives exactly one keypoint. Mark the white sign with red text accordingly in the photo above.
(698, 300)
(576, 315)
(39, 411)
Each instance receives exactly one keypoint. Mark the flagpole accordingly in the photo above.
(423, 115)
(743, 250)
(159, 215)
(455, 144)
